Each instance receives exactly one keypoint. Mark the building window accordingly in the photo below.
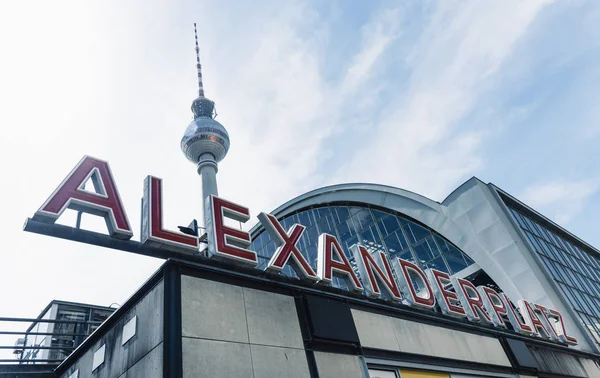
(574, 266)
(129, 330)
(382, 374)
(98, 357)
(422, 374)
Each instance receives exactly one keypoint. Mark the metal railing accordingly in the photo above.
(81, 330)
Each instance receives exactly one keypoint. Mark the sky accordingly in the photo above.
(420, 95)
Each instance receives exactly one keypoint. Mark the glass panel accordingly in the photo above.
(344, 231)
(468, 260)
(324, 225)
(369, 235)
(432, 246)
(364, 218)
(569, 294)
(569, 264)
(311, 252)
(393, 243)
(551, 268)
(409, 235)
(378, 214)
(442, 245)
(519, 219)
(422, 374)
(455, 260)
(382, 373)
(419, 232)
(388, 224)
(342, 213)
(354, 209)
(289, 222)
(347, 243)
(406, 255)
(544, 246)
(423, 252)
(534, 242)
(560, 242)
(438, 264)
(312, 234)
(531, 226)
(305, 218)
(269, 249)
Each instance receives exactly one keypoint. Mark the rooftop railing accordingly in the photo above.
(63, 340)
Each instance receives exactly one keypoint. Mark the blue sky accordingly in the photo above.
(421, 95)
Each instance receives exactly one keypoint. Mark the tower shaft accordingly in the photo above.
(207, 169)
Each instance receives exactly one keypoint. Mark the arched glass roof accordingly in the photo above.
(378, 230)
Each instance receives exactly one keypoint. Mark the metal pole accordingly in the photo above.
(78, 223)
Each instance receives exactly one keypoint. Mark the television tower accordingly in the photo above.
(205, 141)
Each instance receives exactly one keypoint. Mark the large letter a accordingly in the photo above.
(71, 194)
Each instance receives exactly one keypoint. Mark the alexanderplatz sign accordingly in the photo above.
(401, 280)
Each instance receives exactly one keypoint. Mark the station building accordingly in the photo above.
(207, 318)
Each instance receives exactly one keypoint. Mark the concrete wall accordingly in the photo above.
(399, 335)
(591, 368)
(232, 331)
(141, 356)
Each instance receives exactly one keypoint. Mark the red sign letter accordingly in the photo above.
(375, 272)
(447, 300)
(533, 320)
(105, 202)
(406, 273)
(286, 243)
(515, 319)
(471, 300)
(550, 325)
(332, 261)
(494, 305)
(226, 243)
(153, 232)
(562, 331)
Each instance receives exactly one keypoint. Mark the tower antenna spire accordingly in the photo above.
(198, 66)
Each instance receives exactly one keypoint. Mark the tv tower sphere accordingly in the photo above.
(204, 135)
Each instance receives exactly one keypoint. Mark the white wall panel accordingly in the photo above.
(591, 368)
(412, 337)
(213, 310)
(332, 365)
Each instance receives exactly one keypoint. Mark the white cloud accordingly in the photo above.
(561, 199)
(417, 144)
(376, 38)
(285, 110)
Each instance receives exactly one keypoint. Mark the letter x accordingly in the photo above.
(287, 248)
